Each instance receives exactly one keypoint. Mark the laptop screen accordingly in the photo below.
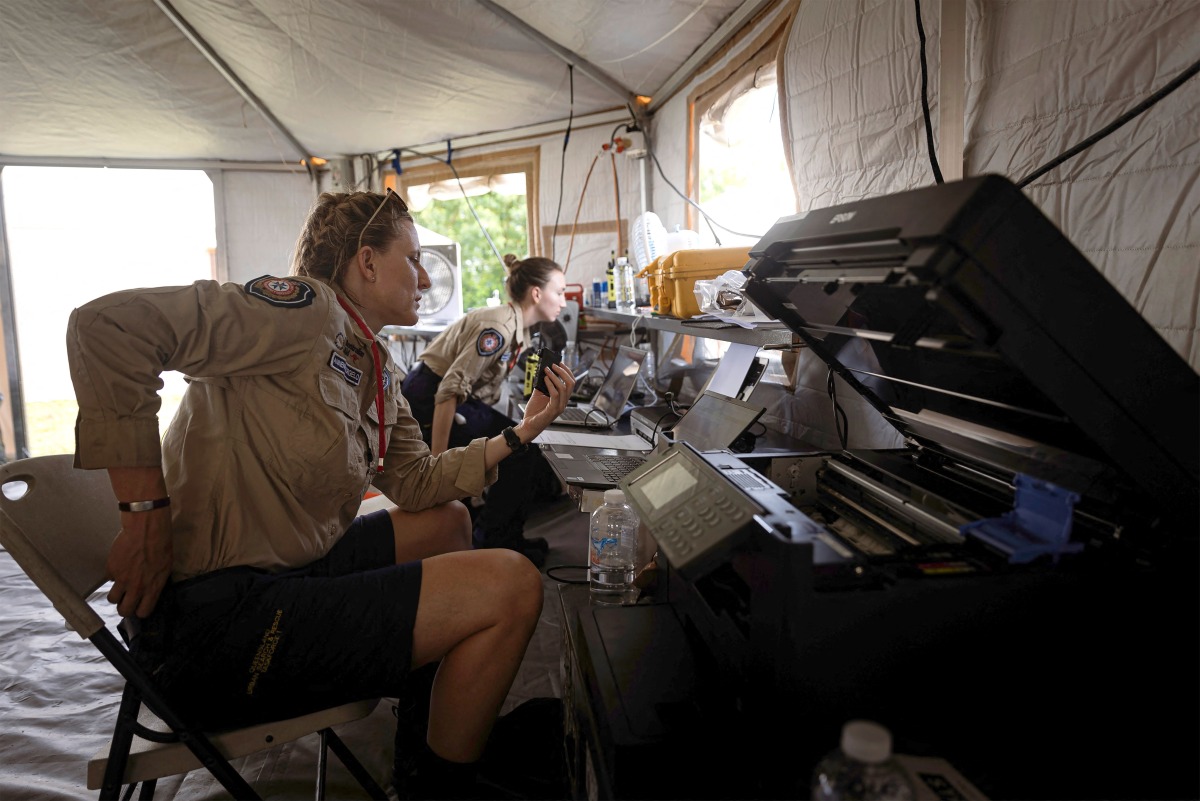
(732, 371)
(614, 392)
(714, 422)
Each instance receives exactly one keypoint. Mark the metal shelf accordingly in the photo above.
(771, 334)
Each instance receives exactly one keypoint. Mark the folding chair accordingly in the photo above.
(58, 522)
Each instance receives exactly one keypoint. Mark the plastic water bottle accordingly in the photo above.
(570, 356)
(624, 293)
(612, 549)
(862, 769)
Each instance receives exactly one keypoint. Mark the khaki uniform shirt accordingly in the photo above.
(274, 443)
(475, 353)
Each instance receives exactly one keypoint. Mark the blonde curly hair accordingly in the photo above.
(335, 228)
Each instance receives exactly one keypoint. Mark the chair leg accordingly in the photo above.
(321, 765)
(196, 742)
(355, 767)
(148, 790)
(118, 750)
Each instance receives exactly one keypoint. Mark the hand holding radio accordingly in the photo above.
(545, 357)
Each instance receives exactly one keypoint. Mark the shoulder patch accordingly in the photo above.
(287, 292)
(489, 342)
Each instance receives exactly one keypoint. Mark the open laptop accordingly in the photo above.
(713, 423)
(608, 404)
(584, 365)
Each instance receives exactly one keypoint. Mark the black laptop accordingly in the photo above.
(608, 404)
(713, 423)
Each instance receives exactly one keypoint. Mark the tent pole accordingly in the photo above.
(12, 414)
(582, 64)
(229, 75)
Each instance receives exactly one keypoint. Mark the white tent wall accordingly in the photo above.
(1040, 77)
(592, 248)
(259, 215)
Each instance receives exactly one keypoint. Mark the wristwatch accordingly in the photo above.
(513, 440)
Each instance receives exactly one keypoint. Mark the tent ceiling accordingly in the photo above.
(118, 79)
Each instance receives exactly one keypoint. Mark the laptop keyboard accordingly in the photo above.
(615, 467)
(577, 414)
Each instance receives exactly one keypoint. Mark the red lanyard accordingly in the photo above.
(378, 377)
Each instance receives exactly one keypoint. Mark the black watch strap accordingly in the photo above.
(513, 440)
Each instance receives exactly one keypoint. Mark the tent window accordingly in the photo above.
(502, 191)
(742, 174)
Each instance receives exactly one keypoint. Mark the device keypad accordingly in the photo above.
(691, 532)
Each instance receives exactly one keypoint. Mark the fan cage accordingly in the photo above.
(441, 279)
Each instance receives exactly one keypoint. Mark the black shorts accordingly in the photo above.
(242, 645)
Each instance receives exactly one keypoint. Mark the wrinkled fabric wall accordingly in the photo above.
(1040, 77)
(259, 217)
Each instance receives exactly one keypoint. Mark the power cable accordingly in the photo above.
(462, 189)
(840, 423)
(1167, 89)
(712, 224)
(575, 224)
(562, 167)
(937, 171)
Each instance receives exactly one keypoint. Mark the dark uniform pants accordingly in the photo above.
(525, 479)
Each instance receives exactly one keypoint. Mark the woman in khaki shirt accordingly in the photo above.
(453, 388)
(262, 594)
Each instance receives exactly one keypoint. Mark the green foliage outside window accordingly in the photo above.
(505, 220)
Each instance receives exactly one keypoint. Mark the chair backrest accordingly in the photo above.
(58, 522)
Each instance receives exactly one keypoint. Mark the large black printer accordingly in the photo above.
(1015, 590)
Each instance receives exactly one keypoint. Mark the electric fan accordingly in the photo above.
(442, 302)
(649, 239)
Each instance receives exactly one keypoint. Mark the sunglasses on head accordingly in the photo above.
(387, 195)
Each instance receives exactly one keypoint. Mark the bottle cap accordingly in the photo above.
(864, 740)
(614, 496)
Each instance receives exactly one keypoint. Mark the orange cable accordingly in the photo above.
(575, 223)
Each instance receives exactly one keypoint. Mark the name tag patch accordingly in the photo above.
(286, 292)
(352, 374)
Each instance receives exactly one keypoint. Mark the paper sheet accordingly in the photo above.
(628, 442)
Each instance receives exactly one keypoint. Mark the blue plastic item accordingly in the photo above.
(1039, 523)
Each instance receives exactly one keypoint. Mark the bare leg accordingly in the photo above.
(419, 535)
(477, 611)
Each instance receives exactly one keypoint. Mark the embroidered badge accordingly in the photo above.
(352, 374)
(347, 348)
(387, 379)
(490, 341)
(281, 291)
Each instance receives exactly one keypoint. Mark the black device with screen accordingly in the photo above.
(546, 357)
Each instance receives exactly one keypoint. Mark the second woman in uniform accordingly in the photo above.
(461, 373)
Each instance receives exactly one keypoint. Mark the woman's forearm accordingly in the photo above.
(443, 418)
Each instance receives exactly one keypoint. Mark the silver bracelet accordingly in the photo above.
(144, 506)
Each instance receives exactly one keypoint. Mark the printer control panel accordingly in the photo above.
(699, 506)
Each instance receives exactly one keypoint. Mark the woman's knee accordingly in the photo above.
(520, 586)
(458, 525)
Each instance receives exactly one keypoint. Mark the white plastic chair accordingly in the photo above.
(57, 522)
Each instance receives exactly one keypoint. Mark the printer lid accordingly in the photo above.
(970, 322)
